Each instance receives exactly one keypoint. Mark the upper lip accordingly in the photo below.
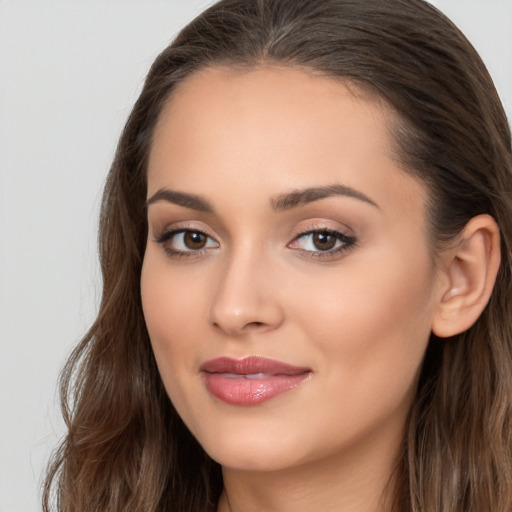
(251, 365)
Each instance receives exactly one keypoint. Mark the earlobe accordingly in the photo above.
(469, 272)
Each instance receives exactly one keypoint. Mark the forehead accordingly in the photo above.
(271, 96)
(273, 129)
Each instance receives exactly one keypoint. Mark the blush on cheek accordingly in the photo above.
(379, 319)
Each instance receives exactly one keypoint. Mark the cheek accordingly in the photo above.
(171, 305)
(170, 311)
(372, 325)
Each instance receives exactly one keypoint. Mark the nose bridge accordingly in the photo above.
(245, 298)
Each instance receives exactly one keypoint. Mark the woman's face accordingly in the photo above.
(288, 286)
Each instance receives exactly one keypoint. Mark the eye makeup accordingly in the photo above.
(322, 242)
(318, 242)
(186, 242)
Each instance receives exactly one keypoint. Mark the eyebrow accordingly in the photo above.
(308, 195)
(279, 203)
(192, 201)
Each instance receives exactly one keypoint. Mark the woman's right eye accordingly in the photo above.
(186, 242)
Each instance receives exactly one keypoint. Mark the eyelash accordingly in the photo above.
(169, 235)
(347, 242)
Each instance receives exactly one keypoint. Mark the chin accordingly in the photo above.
(254, 449)
(251, 460)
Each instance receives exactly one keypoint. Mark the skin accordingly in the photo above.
(360, 319)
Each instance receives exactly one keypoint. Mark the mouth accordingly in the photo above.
(250, 381)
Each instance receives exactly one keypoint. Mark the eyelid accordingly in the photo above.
(165, 230)
(347, 241)
(166, 237)
(168, 234)
(320, 225)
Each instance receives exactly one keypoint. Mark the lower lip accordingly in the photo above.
(253, 391)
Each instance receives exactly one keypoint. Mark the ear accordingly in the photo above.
(468, 273)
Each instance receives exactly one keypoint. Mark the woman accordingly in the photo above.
(305, 242)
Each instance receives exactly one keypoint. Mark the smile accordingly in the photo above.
(250, 381)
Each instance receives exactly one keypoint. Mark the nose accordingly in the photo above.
(246, 298)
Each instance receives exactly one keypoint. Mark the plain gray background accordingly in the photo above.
(70, 71)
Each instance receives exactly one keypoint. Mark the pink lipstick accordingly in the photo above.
(250, 381)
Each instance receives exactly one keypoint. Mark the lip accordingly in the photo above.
(252, 380)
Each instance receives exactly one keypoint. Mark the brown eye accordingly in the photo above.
(186, 242)
(194, 240)
(324, 241)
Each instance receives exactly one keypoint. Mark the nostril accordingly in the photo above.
(236, 319)
(238, 330)
(255, 324)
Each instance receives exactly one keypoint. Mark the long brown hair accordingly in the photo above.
(126, 448)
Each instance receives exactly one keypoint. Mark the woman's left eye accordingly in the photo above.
(322, 242)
